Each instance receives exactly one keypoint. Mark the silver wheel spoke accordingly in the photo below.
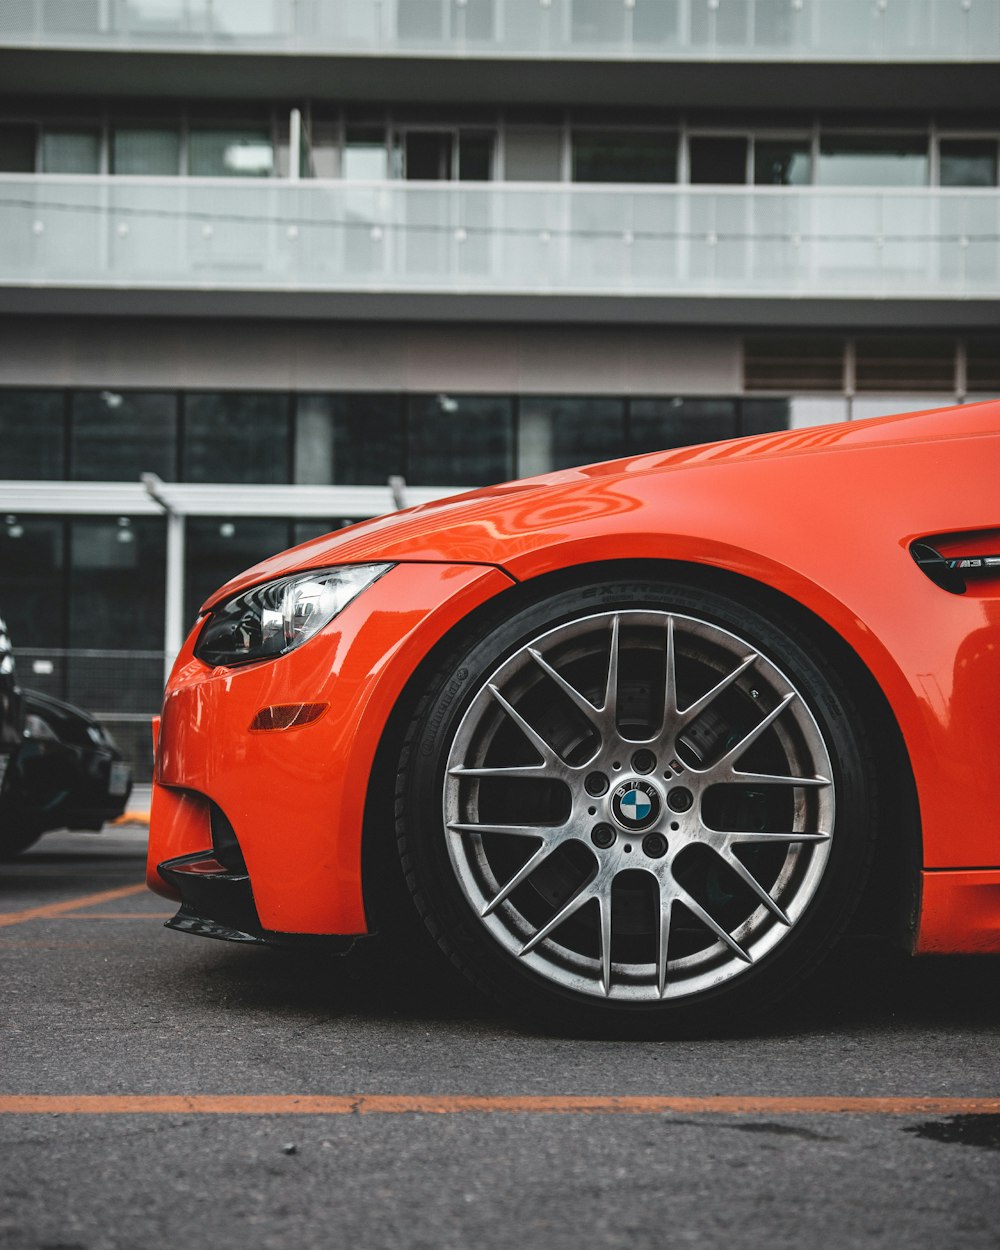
(766, 779)
(663, 940)
(519, 877)
(530, 859)
(701, 914)
(724, 765)
(533, 736)
(747, 877)
(694, 710)
(582, 896)
(593, 714)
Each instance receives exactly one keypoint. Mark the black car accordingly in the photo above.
(67, 772)
(11, 707)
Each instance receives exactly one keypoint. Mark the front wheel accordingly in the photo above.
(635, 802)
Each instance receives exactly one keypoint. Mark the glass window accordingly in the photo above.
(218, 548)
(17, 149)
(139, 150)
(597, 22)
(655, 21)
(864, 406)
(459, 440)
(234, 437)
(32, 435)
(230, 153)
(559, 433)
(118, 435)
(873, 161)
(782, 163)
(717, 160)
(658, 424)
(610, 156)
(366, 157)
(478, 19)
(116, 582)
(428, 154)
(348, 439)
(764, 416)
(532, 155)
(71, 152)
(898, 363)
(475, 155)
(32, 596)
(421, 20)
(968, 163)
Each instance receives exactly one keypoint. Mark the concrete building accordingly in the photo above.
(277, 252)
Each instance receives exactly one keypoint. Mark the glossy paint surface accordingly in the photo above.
(296, 798)
(825, 516)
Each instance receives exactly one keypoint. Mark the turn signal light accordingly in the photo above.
(287, 716)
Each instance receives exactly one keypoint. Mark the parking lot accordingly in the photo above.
(161, 1090)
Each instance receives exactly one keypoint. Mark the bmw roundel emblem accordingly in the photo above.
(635, 804)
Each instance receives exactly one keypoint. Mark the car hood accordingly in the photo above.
(501, 525)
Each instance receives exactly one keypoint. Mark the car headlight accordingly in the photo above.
(279, 616)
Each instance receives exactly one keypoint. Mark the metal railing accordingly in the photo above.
(235, 234)
(875, 30)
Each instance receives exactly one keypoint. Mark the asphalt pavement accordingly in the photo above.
(160, 1090)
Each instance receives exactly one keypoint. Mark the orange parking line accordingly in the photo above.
(119, 915)
(132, 818)
(392, 1104)
(73, 904)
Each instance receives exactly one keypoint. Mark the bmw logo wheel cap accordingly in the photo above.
(635, 805)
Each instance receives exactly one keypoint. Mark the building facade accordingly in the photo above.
(270, 266)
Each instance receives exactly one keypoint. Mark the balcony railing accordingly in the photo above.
(514, 238)
(876, 30)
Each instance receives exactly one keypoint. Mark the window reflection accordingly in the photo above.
(118, 435)
(559, 433)
(220, 547)
(235, 437)
(230, 153)
(782, 163)
(145, 150)
(459, 440)
(32, 594)
(658, 424)
(968, 163)
(873, 161)
(620, 156)
(31, 434)
(348, 439)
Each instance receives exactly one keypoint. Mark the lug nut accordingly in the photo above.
(596, 784)
(679, 799)
(644, 761)
(603, 836)
(655, 845)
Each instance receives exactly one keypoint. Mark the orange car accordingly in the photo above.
(634, 741)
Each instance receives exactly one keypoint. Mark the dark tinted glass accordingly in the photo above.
(475, 156)
(558, 433)
(234, 437)
(17, 149)
(428, 155)
(968, 163)
(782, 163)
(31, 434)
(218, 549)
(657, 424)
(459, 440)
(982, 367)
(763, 416)
(32, 598)
(348, 439)
(720, 161)
(118, 435)
(904, 364)
(620, 156)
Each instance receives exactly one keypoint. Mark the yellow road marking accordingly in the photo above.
(393, 1104)
(73, 904)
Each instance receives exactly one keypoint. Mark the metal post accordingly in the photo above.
(173, 625)
(294, 145)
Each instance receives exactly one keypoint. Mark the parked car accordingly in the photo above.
(11, 706)
(66, 773)
(633, 741)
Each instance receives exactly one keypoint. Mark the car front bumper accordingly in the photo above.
(295, 799)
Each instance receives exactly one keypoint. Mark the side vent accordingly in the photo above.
(960, 562)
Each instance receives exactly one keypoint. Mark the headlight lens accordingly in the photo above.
(269, 620)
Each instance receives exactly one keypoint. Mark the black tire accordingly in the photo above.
(17, 839)
(677, 831)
